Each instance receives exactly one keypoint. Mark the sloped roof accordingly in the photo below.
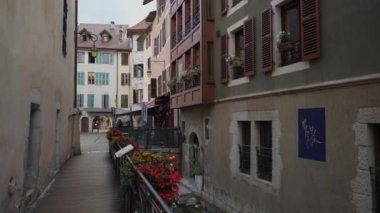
(138, 28)
(113, 44)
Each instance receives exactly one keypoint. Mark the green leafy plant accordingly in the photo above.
(193, 71)
(234, 61)
(283, 39)
(172, 82)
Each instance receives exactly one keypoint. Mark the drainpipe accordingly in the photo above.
(75, 54)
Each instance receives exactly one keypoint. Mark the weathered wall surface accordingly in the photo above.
(34, 70)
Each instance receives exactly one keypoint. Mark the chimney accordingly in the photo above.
(112, 25)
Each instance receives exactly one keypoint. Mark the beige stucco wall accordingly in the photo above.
(123, 89)
(33, 68)
(341, 184)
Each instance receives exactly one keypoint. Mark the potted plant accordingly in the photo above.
(284, 41)
(179, 84)
(234, 61)
(172, 84)
(194, 73)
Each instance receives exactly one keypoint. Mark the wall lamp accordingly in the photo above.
(94, 50)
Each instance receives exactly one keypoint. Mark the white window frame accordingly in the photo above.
(232, 10)
(277, 69)
(252, 178)
(231, 49)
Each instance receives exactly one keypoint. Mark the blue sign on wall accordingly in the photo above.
(311, 134)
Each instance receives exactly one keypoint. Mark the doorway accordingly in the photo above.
(84, 125)
(32, 156)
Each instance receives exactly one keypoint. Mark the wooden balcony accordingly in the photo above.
(189, 97)
(186, 42)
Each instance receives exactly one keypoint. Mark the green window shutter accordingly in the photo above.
(107, 78)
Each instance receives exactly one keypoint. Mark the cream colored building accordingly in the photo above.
(37, 101)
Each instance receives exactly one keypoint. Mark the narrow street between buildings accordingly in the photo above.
(86, 183)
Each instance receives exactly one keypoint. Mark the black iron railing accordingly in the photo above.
(174, 39)
(375, 182)
(245, 158)
(264, 163)
(292, 54)
(187, 27)
(151, 138)
(179, 35)
(141, 196)
(196, 18)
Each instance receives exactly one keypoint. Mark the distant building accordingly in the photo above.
(139, 62)
(102, 81)
(37, 101)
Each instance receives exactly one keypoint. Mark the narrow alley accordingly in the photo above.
(86, 183)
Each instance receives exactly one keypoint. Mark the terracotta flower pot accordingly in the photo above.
(286, 47)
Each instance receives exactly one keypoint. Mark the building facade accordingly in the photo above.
(163, 115)
(138, 62)
(98, 77)
(37, 79)
(300, 111)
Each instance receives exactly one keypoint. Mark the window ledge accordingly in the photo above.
(302, 65)
(236, 7)
(238, 81)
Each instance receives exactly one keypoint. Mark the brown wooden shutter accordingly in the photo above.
(164, 82)
(224, 6)
(310, 32)
(153, 87)
(223, 63)
(249, 47)
(267, 40)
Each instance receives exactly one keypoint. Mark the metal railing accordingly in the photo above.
(264, 163)
(174, 39)
(187, 26)
(245, 158)
(196, 18)
(375, 183)
(141, 196)
(156, 138)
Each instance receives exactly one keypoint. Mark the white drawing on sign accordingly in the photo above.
(310, 135)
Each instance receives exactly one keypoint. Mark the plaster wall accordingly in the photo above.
(340, 184)
(33, 70)
(122, 89)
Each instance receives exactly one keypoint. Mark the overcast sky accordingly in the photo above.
(121, 11)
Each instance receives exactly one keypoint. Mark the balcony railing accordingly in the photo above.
(196, 18)
(179, 35)
(187, 27)
(264, 163)
(141, 196)
(153, 138)
(185, 85)
(174, 39)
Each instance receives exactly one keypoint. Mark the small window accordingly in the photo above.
(245, 147)
(91, 78)
(90, 100)
(105, 101)
(124, 101)
(91, 60)
(264, 151)
(238, 71)
(137, 96)
(290, 23)
(148, 64)
(210, 61)
(80, 100)
(124, 79)
(209, 10)
(140, 46)
(80, 57)
(138, 71)
(124, 59)
(206, 129)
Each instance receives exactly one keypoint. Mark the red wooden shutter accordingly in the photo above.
(310, 33)
(153, 87)
(267, 40)
(249, 47)
(223, 63)
(224, 6)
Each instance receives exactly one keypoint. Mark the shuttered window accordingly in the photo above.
(267, 40)
(124, 101)
(164, 87)
(153, 87)
(310, 29)
(249, 47)
(223, 62)
(124, 59)
(224, 7)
